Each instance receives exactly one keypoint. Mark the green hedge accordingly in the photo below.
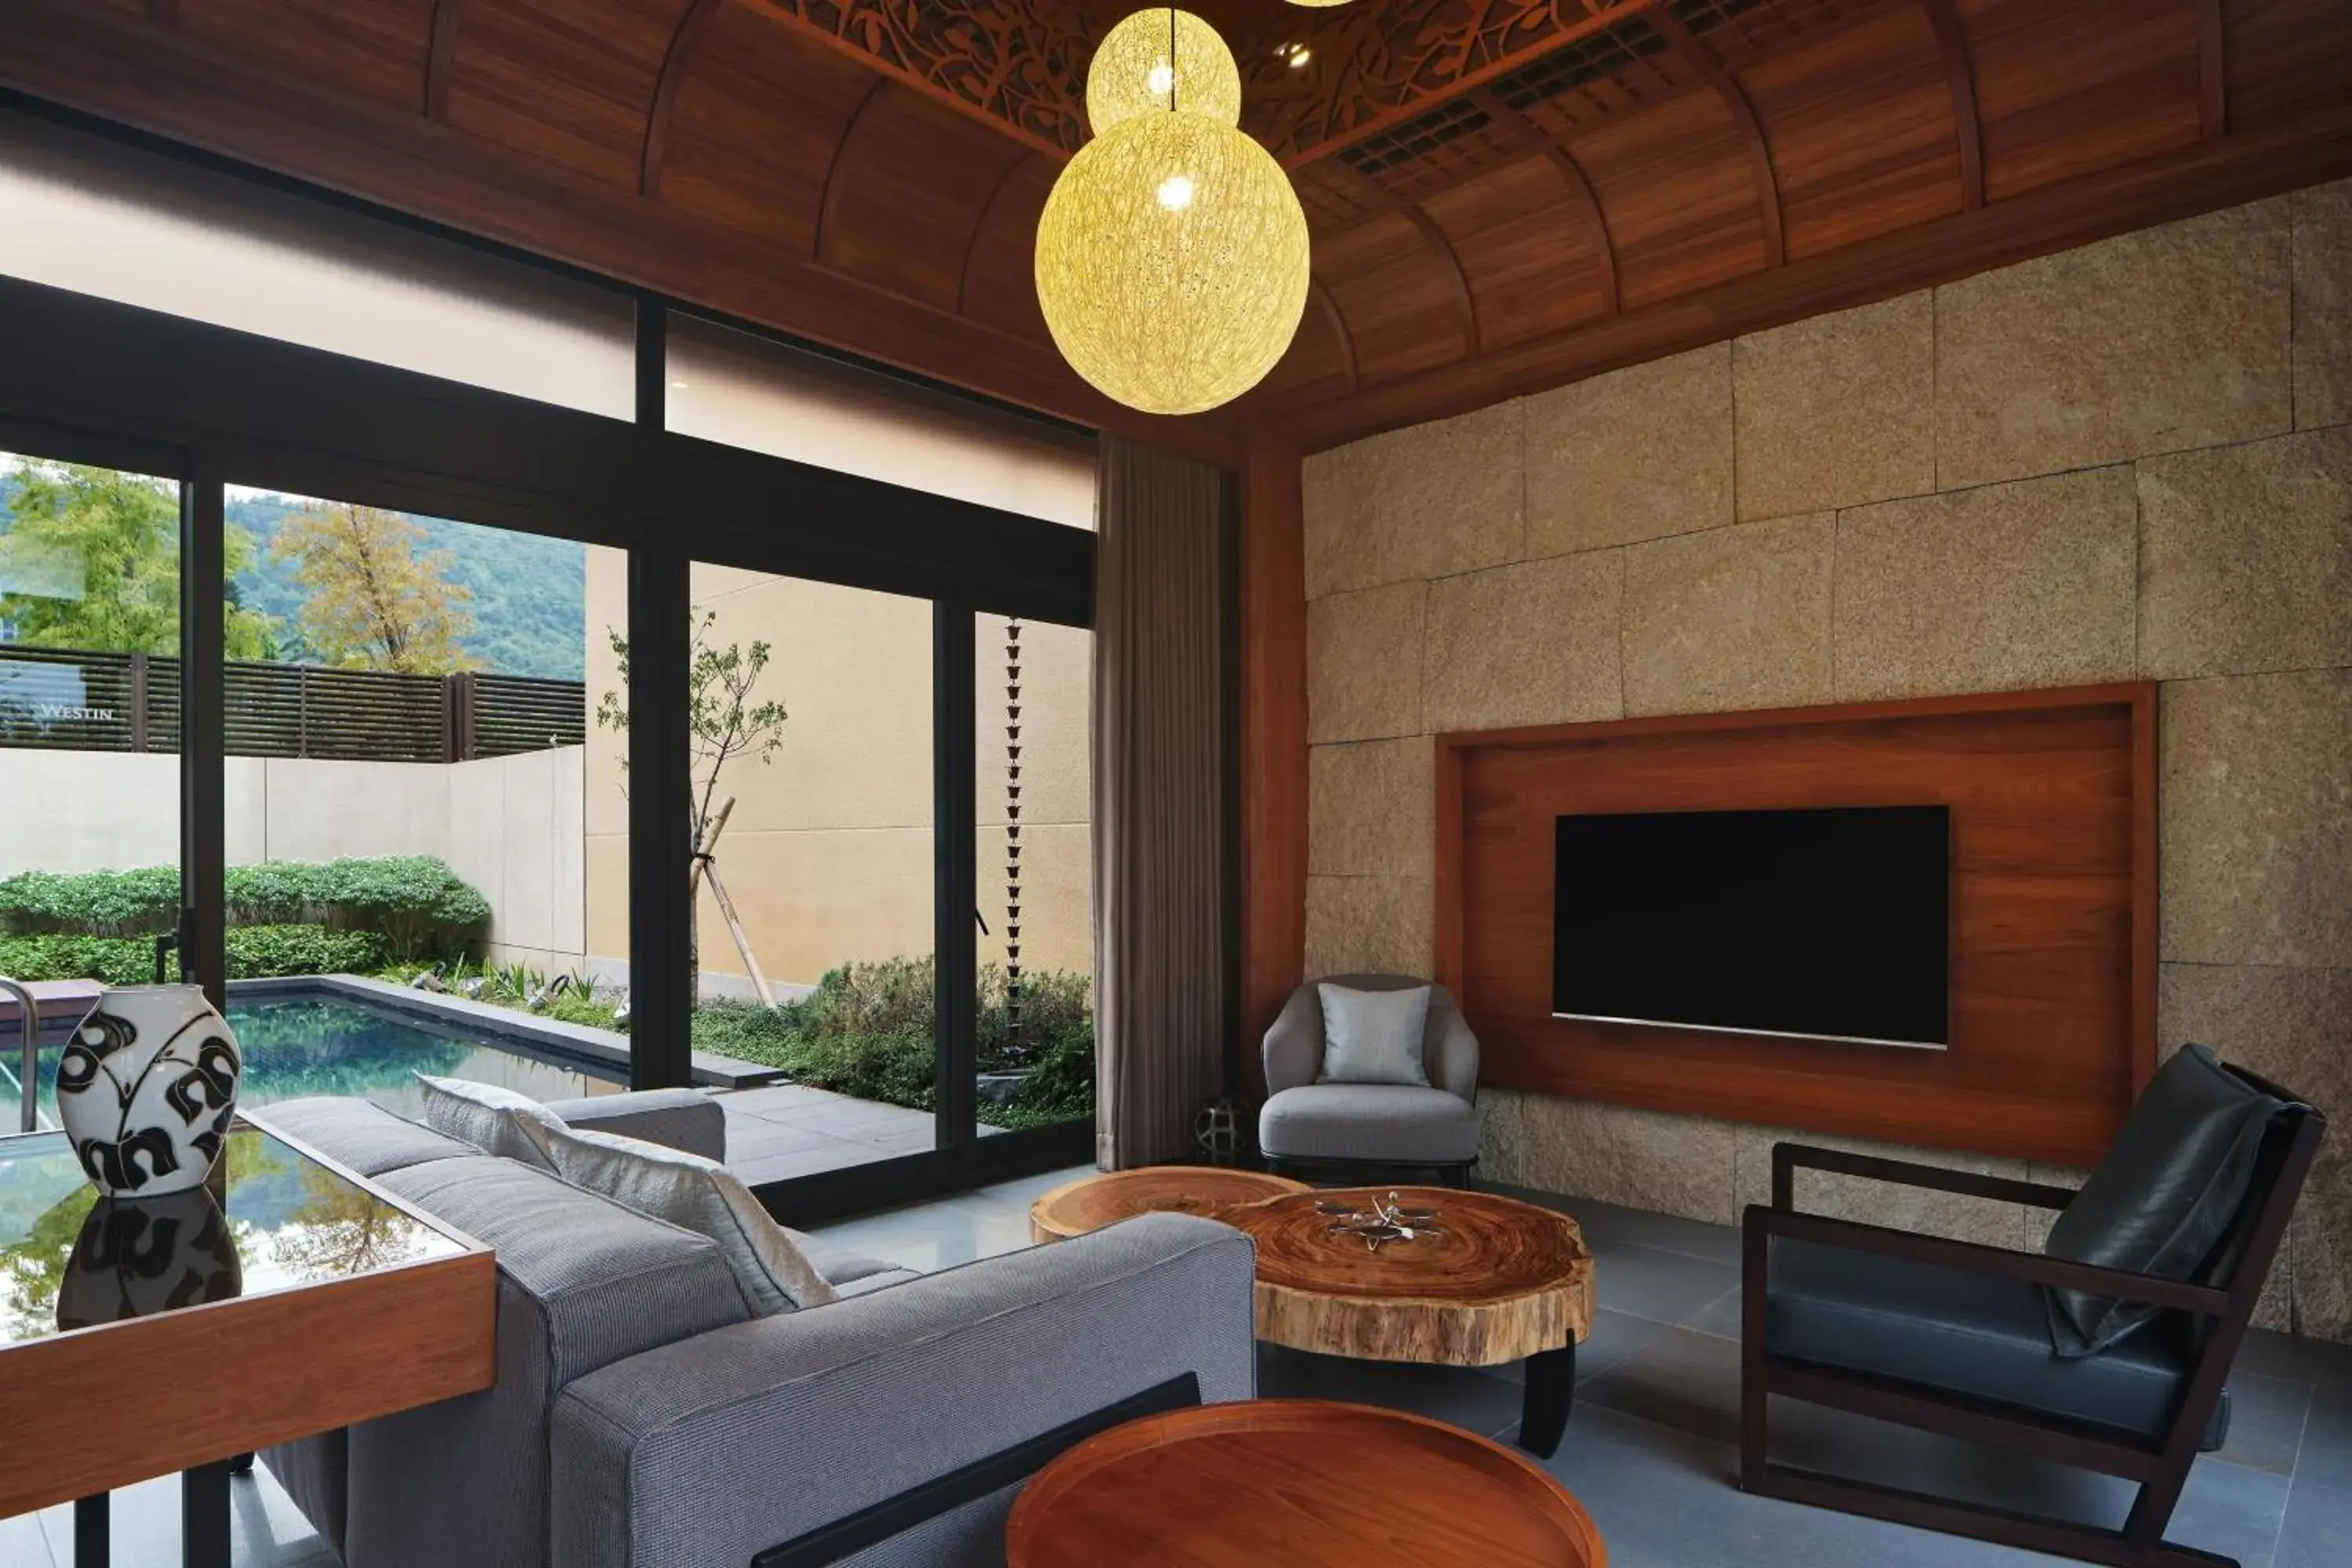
(415, 902)
(868, 1030)
(254, 952)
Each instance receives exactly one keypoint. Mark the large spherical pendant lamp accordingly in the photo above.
(1171, 262)
(1162, 60)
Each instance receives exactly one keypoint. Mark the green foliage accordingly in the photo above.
(414, 902)
(513, 986)
(113, 541)
(869, 1030)
(254, 952)
(529, 591)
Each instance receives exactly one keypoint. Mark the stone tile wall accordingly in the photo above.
(2134, 460)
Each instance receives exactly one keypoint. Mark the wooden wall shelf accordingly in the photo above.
(2053, 796)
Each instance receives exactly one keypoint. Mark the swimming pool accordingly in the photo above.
(303, 1042)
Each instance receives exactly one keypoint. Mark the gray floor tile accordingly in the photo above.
(266, 1531)
(2267, 1418)
(938, 1236)
(2301, 1359)
(2318, 1529)
(2327, 1458)
(1029, 1189)
(1663, 1286)
(1681, 1379)
(23, 1545)
(1721, 1317)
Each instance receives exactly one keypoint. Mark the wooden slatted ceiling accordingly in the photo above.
(1545, 207)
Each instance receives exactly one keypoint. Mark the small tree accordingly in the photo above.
(370, 601)
(111, 543)
(722, 724)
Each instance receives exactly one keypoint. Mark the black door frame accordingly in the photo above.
(150, 392)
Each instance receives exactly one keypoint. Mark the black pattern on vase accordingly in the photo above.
(152, 1087)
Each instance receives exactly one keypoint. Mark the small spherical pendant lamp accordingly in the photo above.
(1162, 60)
(1172, 259)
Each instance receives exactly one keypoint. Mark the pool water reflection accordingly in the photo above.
(297, 1045)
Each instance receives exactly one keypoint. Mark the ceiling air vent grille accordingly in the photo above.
(1416, 138)
(1602, 57)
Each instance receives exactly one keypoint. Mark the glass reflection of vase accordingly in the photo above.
(150, 1255)
(146, 1088)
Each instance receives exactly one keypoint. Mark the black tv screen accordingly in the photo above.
(1830, 923)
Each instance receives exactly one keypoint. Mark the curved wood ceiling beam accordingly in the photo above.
(691, 24)
(1325, 302)
(438, 57)
(1524, 134)
(1743, 115)
(2213, 70)
(1960, 75)
(980, 227)
(828, 205)
(1465, 305)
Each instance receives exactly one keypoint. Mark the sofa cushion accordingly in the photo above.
(364, 1135)
(1373, 1036)
(1968, 1333)
(684, 1119)
(697, 1194)
(2162, 1199)
(840, 1265)
(495, 1120)
(1393, 1124)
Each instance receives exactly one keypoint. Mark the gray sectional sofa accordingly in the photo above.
(641, 1419)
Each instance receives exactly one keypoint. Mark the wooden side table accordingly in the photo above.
(1091, 1203)
(290, 1298)
(1304, 1483)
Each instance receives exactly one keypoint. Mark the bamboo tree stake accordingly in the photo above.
(706, 865)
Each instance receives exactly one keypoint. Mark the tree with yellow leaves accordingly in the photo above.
(370, 601)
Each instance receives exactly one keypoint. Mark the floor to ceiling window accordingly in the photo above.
(438, 491)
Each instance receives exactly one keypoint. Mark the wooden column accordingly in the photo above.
(1273, 745)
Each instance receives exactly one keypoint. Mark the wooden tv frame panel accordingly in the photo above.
(2053, 796)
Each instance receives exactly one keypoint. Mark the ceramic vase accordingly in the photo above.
(149, 1254)
(146, 1088)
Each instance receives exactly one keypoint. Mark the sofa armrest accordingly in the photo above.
(682, 1119)
(1788, 1158)
(713, 1449)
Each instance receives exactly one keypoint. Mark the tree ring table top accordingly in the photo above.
(1091, 1203)
(1490, 1280)
(1304, 1483)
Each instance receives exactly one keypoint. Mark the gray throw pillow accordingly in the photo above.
(701, 1195)
(494, 1120)
(2162, 1200)
(1373, 1036)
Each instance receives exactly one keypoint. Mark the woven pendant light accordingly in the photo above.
(1162, 60)
(1172, 257)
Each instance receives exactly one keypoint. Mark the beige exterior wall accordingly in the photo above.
(509, 826)
(828, 853)
(2131, 459)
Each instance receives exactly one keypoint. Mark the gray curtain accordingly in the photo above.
(1158, 802)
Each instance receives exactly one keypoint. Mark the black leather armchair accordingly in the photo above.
(1964, 1340)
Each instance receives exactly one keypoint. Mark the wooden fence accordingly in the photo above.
(67, 700)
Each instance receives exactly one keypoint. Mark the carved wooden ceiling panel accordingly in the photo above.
(1504, 194)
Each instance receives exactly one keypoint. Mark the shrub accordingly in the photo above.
(415, 902)
(254, 952)
(91, 903)
(870, 1030)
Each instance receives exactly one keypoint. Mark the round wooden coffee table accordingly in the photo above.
(1091, 1203)
(1304, 1483)
(1483, 1281)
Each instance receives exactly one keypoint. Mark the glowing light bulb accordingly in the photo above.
(1162, 77)
(1176, 193)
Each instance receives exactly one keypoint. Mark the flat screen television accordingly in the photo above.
(1830, 925)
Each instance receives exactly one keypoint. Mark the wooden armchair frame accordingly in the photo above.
(2161, 1465)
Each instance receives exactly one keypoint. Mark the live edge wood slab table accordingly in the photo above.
(287, 1298)
(1303, 1483)
(1482, 1280)
(1485, 1280)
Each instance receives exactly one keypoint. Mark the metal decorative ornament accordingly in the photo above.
(1172, 255)
(1385, 1221)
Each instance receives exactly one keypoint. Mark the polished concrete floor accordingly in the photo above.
(1649, 1449)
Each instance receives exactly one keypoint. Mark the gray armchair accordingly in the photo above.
(1304, 1122)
